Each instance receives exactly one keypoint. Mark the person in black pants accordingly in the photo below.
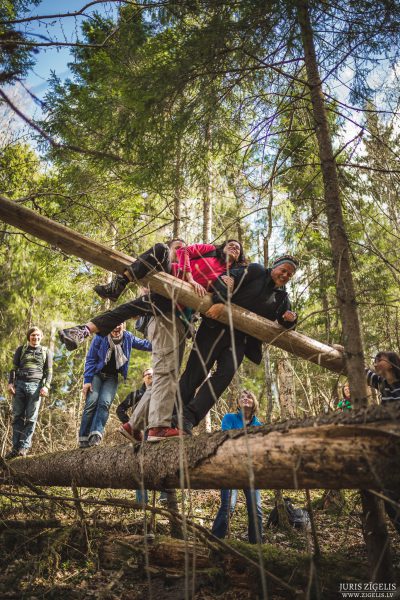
(252, 287)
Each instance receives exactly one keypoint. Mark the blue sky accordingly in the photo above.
(67, 29)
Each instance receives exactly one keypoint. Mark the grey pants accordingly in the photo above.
(167, 336)
(140, 416)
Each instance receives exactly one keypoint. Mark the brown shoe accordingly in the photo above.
(161, 433)
(131, 434)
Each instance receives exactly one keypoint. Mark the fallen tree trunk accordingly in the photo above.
(361, 451)
(79, 245)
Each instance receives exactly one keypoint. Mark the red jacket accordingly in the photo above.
(204, 270)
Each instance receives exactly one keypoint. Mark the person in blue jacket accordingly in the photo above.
(107, 358)
(244, 417)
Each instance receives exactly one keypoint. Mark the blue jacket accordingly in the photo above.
(235, 421)
(95, 358)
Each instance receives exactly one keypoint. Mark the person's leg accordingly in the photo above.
(102, 411)
(255, 528)
(89, 409)
(167, 335)
(18, 412)
(139, 417)
(108, 320)
(33, 401)
(392, 511)
(220, 525)
(142, 497)
(200, 361)
(104, 323)
(155, 259)
(229, 357)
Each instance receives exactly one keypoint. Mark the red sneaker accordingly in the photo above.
(132, 434)
(161, 433)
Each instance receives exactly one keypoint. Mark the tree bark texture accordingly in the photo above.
(285, 380)
(79, 245)
(360, 450)
(268, 384)
(345, 292)
(177, 196)
(207, 190)
(376, 538)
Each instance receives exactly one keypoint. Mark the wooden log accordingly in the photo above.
(79, 245)
(361, 451)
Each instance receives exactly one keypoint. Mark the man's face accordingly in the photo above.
(173, 248)
(35, 338)
(148, 377)
(282, 273)
(117, 331)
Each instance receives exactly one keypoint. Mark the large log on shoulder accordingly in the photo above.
(357, 450)
(79, 245)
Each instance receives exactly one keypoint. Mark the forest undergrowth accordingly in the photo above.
(53, 548)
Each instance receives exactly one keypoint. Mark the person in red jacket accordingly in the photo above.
(200, 265)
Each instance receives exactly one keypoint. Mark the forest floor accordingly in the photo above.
(53, 549)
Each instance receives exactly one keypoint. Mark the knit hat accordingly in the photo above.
(286, 258)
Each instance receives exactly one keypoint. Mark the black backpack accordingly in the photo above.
(298, 517)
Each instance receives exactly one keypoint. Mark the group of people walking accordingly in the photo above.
(168, 405)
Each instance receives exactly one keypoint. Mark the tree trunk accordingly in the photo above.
(268, 384)
(176, 232)
(207, 190)
(345, 292)
(335, 451)
(286, 389)
(77, 244)
(375, 533)
(376, 538)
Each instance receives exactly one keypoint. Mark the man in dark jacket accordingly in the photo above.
(255, 288)
(29, 382)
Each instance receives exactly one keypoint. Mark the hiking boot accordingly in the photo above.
(186, 424)
(94, 440)
(23, 451)
(74, 336)
(12, 454)
(83, 444)
(131, 434)
(112, 290)
(161, 433)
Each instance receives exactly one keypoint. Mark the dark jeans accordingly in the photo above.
(392, 511)
(97, 406)
(26, 404)
(227, 508)
(154, 259)
(213, 343)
